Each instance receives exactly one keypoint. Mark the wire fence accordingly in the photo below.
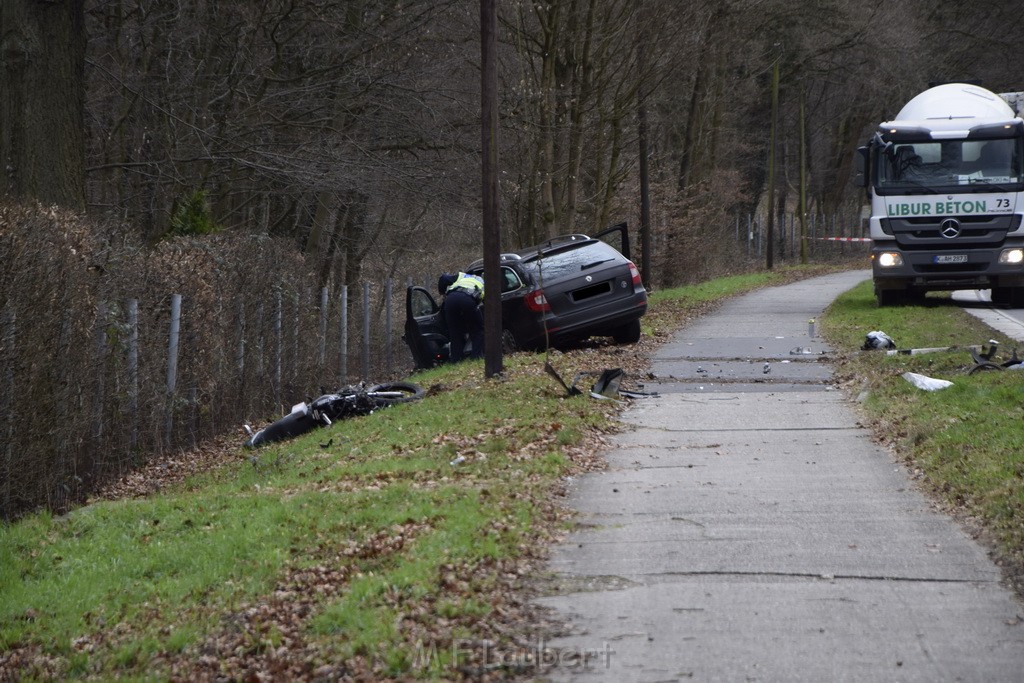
(106, 363)
(146, 377)
(827, 237)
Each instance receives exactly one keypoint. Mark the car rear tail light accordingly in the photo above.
(537, 302)
(635, 272)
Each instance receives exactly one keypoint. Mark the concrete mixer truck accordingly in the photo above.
(946, 187)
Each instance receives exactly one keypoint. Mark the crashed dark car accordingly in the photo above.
(554, 294)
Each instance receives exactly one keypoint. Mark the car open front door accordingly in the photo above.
(623, 241)
(425, 331)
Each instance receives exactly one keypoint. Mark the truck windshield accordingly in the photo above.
(949, 165)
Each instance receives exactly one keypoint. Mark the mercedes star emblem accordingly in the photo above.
(949, 228)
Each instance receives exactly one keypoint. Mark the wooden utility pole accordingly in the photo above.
(645, 193)
(769, 237)
(489, 151)
(803, 179)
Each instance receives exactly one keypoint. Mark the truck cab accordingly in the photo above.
(945, 182)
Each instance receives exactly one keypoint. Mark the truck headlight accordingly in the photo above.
(1011, 256)
(890, 259)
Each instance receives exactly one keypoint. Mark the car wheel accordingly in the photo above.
(628, 333)
(508, 342)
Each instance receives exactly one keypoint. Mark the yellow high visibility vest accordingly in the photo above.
(470, 284)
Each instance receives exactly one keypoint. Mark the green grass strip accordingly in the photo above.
(968, 440)
(124, 589)
(141, 577)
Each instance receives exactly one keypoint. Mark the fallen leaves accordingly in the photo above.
(268, 638)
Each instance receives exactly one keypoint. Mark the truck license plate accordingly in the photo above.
(951, 258)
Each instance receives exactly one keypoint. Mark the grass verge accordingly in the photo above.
(356, 551)
(330, 555)
(966, 442)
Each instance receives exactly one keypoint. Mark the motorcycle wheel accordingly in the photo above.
(287, 427)
(390, 393)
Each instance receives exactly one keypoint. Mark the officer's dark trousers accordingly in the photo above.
(463, 316)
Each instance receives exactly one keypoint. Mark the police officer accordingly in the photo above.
(462, 296)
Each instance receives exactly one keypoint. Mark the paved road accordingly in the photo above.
(752, 531)
(978, 302)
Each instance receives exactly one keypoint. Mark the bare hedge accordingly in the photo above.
(83, 376)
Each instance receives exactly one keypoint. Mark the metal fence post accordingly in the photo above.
(133, 373)
(7, 360)
(750, 235)
(388, 357)
(295, 335)
(261, 359)
(343, 344)
(193, 416)
(321, 356)
(366, 331)
(172, 366)
(100, 368)
(278, 345)
(240, 349)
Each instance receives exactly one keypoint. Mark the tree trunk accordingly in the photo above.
(690, 138)
(581, 95)
(356, 240)
(769, 241)
(42, 78)
(550, 23)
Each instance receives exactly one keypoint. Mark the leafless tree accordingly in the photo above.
(42, 52)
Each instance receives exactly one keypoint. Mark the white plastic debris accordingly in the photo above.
(925, 382)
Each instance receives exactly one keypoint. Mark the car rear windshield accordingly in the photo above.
(571, 261)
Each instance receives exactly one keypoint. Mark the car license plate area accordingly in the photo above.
(590, 292)
(949, 258)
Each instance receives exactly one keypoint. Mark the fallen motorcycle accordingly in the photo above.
(349, 401)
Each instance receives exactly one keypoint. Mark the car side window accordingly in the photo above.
(510, 281)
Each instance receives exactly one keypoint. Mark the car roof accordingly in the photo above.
(552, 246)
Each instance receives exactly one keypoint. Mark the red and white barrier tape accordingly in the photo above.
(843, 239)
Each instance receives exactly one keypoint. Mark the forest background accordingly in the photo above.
(224, 149)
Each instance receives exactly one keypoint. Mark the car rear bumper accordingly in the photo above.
(562, 329)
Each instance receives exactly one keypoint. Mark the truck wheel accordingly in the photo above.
(916, 296)
(1012, 297)
(890, 297)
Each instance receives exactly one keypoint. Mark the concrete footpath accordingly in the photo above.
(748, 529)
(979, 304)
